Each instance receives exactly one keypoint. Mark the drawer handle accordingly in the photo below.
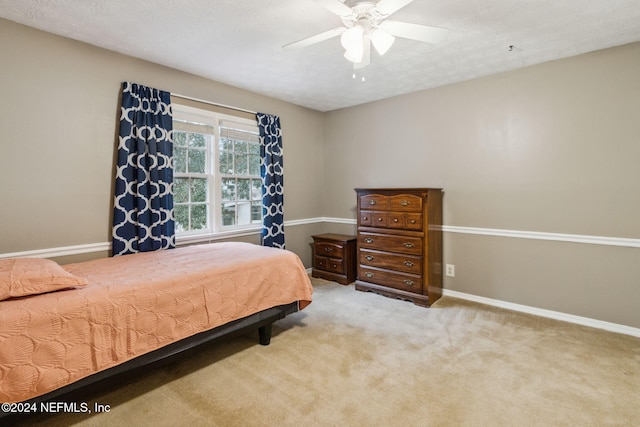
(372, 202)
(408, 282)
(408, 263)
(368, 274)
(395, 220)
(328, 249)
(380, 219)
(408, 244)
(404, 203)
(413, 221)
(334, 265)
(369, 258)
(368, 240)
(364, 218)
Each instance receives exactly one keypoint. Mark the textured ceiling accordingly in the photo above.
(239, 42)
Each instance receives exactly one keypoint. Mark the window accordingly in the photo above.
(217, 184)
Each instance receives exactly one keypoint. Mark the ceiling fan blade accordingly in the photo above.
(336, 7)
(387, 7)
(421, 33)
(315, 39)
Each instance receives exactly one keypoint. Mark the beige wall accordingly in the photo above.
(58, 124)
(550, 148)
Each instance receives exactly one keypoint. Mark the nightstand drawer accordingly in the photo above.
(334, 265)
(330, 249)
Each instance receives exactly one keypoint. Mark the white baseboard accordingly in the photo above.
(585, 321)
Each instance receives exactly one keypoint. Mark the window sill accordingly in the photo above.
(221, 235)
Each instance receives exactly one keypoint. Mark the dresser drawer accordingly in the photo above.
(374, 219)
(405, 263)
(391, 243)
(408, 221)
(333, 265)
(374, 202)
(405, 203)
(380, 219)
(392, 279)
(329, 248)
(364, 218)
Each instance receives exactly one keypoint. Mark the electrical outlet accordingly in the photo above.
(450, 270)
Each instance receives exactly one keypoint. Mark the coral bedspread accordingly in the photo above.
(135, 304)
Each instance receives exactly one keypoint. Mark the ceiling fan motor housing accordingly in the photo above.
(364, 14)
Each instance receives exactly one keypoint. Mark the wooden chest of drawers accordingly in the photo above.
(399, 243)
(334, 257)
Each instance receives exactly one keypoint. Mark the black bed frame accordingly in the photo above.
(262, 320)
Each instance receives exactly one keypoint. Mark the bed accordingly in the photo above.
(65, 327)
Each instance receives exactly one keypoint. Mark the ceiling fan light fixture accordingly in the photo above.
(352, 38)
(382, 41)
(354, 55)
(365, 23)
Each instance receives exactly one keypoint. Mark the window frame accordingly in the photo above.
(215, 228)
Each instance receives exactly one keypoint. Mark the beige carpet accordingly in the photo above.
(360, 359)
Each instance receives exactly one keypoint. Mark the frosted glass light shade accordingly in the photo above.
(382, 41)
(354, 55)
(352, 38)
(352, 41)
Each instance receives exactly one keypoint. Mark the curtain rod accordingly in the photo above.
(213, 103)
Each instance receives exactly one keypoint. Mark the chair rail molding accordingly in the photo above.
(539, 235)
(559, 237)
(60, 251)
(517, 234)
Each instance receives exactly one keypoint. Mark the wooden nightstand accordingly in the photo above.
(334, 257)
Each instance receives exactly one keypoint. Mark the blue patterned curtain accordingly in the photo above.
(143, 207)
(272, 180)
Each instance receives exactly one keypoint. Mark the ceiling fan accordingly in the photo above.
(365, 23)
